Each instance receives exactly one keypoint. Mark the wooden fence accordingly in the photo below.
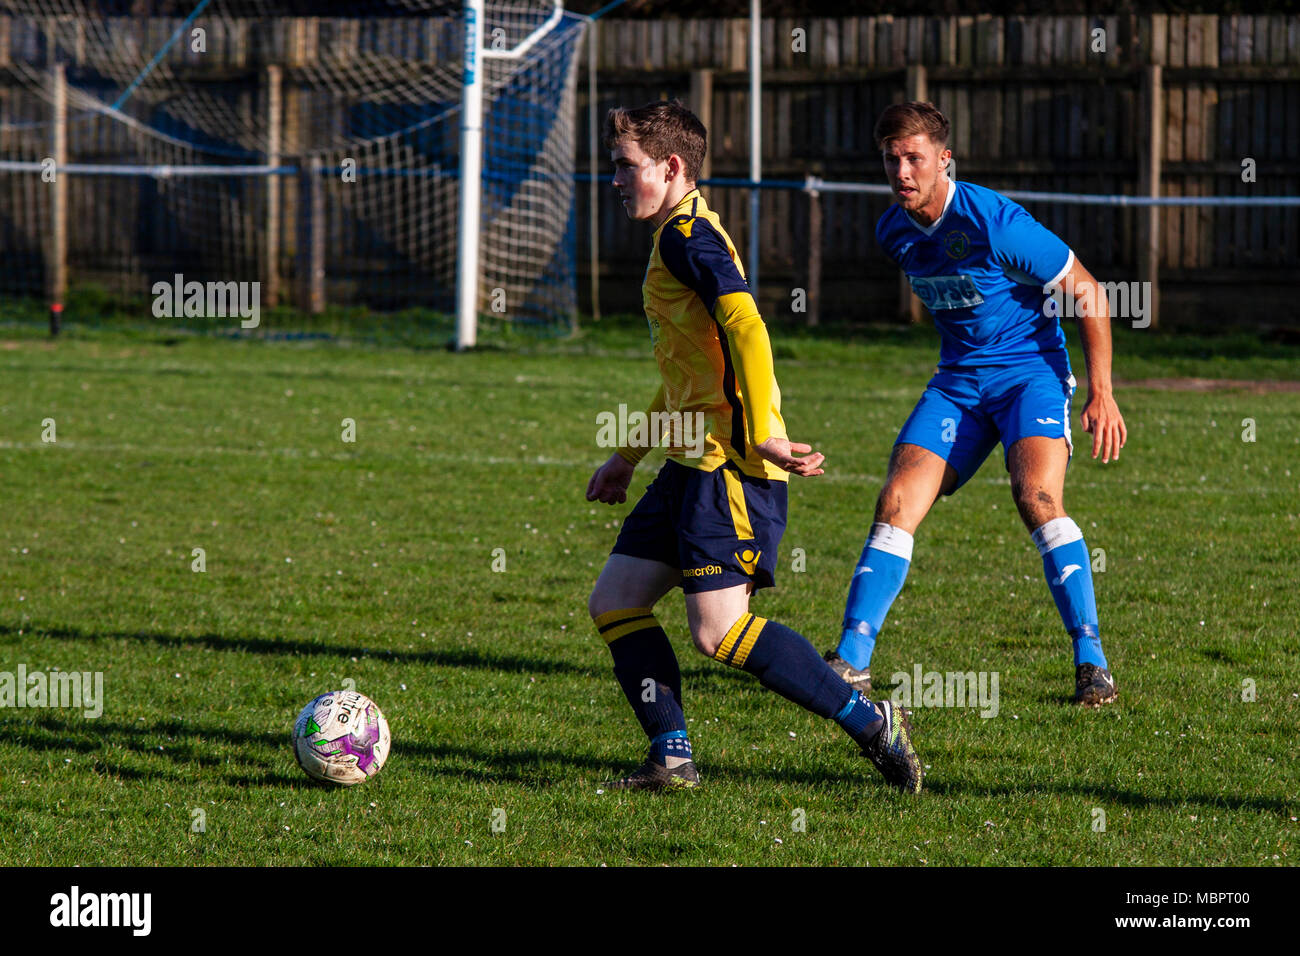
(1117, 105)
(1137, 105)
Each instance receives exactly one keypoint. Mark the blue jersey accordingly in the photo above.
(981, 269)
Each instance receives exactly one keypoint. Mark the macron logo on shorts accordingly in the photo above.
(704, 572)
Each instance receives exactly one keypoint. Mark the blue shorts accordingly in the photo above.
(720, 528)
(965, 412)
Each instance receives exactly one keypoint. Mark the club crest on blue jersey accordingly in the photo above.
(980, 269)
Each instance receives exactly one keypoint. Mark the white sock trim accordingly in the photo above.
(891, 540)
(1055, 533)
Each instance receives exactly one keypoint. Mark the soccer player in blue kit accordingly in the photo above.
(984, 268)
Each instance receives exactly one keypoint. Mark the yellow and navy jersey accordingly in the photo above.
(711, 345)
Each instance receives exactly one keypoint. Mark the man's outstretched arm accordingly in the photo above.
(751, 356)
(1100, 415)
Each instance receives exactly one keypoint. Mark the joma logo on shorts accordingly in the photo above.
(946, 292)
(702, 572)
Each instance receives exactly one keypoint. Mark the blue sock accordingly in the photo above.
(674, 743)
(857, 715)
(785, 662)
(1068, 569)
(878, 578)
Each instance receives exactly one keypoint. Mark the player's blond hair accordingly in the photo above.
(661, 130)
(902, 120)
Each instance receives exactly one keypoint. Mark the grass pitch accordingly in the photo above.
(374, 561)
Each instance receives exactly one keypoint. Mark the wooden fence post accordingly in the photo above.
(702, 106)
(1151, 144)
(271, 263)
(311, 236)
(814, 291)
(909, 306)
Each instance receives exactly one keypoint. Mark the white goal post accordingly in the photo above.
(471, 156)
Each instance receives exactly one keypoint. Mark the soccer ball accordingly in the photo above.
(341, 737)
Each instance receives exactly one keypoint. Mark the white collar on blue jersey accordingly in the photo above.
(929, 230)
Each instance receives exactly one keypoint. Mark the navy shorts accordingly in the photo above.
(720, 528)
(964, 413)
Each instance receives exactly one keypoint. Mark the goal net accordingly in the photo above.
(313, 147)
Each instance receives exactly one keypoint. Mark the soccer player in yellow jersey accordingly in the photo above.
(711, 522)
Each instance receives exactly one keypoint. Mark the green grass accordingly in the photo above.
(373, 561)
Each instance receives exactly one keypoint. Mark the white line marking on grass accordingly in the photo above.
(155, 451)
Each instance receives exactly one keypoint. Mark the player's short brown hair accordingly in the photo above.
(902, 120)
(661, 130)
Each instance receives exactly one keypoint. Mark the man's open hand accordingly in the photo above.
(1101, 417)
(609, 483)
(780, 452)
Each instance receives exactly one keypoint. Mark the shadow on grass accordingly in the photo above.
(1129, 798)
(600, 666)
(264, 760)
(118, 748)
